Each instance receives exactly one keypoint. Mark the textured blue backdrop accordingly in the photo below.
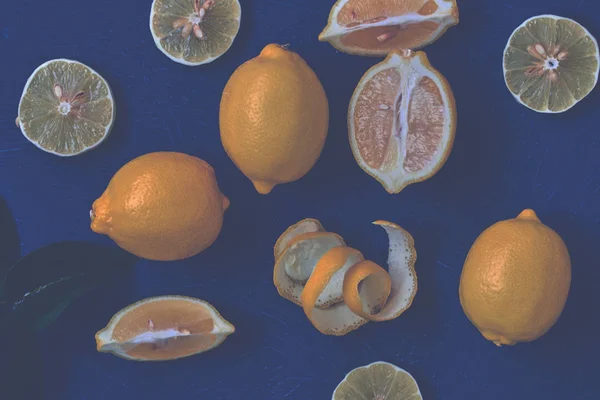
(505, 158)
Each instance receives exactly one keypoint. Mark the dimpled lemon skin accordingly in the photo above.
(274, 118)
(161, 206)
(516, 280)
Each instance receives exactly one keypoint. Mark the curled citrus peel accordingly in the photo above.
(401, 276)
(339, 319)
(339, 290)
(375, 280)
(305, 226)
(295, 265)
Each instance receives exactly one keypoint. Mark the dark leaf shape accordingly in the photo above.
(45, 304)
(21, 362)
(42, 284)
(10, 245)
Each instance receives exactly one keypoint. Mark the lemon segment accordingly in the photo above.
(66, 108)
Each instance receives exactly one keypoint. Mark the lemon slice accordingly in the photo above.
(551, 63)
(379, 380)
(66, 108)
(376, 27)
(164, 328)
(194, 32)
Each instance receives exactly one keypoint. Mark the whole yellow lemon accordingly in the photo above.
(161, 206)
(516, 280)
(274, 118)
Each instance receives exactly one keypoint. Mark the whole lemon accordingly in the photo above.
(161, 206)
(516, 279)
(274, 118)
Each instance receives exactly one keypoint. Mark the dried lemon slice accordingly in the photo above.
(195, 32)
(379, 380)
(66, 108)
(551, 63)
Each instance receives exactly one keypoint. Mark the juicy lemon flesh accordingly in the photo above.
(66, 108)
(551, 64)
(219, 26)
(379, 381)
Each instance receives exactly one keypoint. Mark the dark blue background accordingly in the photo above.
(505, 158)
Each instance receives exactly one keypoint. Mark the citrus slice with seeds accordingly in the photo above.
(195, 32)
(376, 27)
(296, 264)
(399, 282)
(307, 225)
(164, 328)
(379, 380)
(402, 120)
(66, 108)
(551, 63)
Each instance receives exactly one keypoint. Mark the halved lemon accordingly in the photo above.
(379, 380)
(66, 108)
(194, 32)
(551, 63)
(402, 120)
(376, 27)
(164, 328)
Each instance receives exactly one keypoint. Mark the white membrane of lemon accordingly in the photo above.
(221, 329)
(308, 225)
(397, 170)
(445, 16)
(334, 317)
(297, 263)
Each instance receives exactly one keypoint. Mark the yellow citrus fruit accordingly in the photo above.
(551, 63)
(162, 206)
(66, 108)
(274, 118)
(378, 381)
(377, 27)
(163, 328)
(516, 279)
(194, 32)
(402, 120)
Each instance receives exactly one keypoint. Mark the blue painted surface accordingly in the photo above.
(505, 158)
